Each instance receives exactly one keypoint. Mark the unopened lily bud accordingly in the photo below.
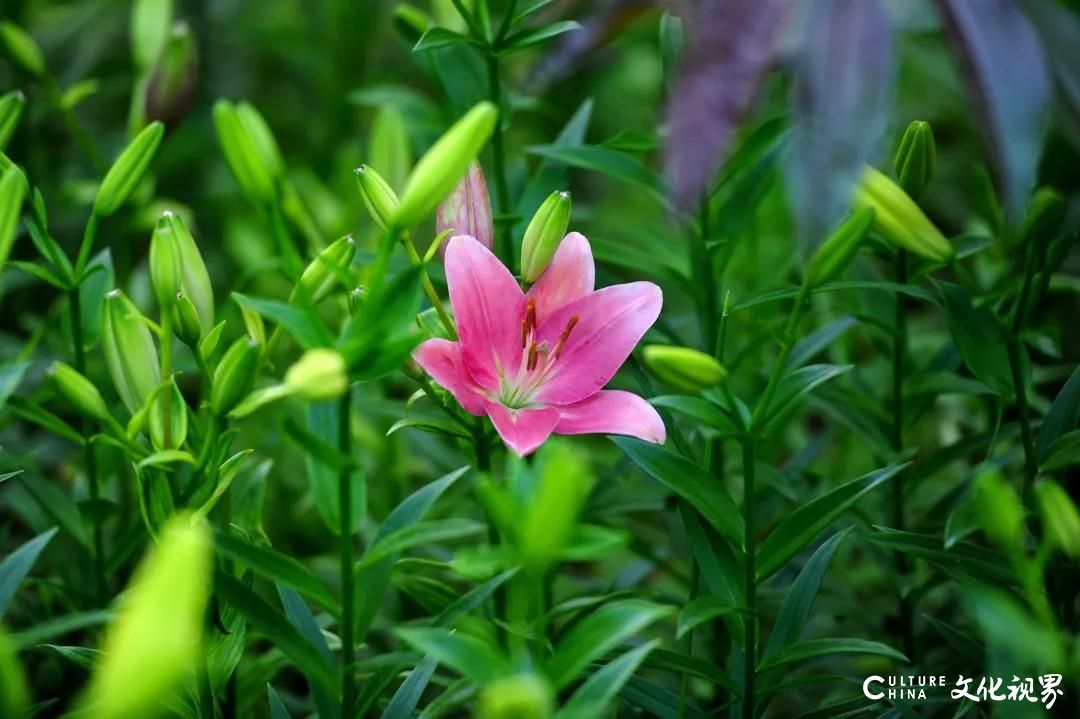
(171, 87)
(379, 197)
(467, 210)
(320, 276)
(22, 49)
(234, 376)
(165, 264)
(130, 352)
(899, 219)
(242, 154)
(11, 107)
(78, 391)
(1000, 512)
(444, 164)
(150, 24)
(13, 189)
(186, 320)
(318, 375)
(522, 696)
(685, 369)
(915, 158)
(1060, 517)
(194, 280)
(157, 633)
(124, 175)
(389, 146)
(262, 136)
(837, 251)
(543, 235)
(1042, 223)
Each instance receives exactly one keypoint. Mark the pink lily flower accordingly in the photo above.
(536, 362)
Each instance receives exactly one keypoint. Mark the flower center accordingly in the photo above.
(538, 360)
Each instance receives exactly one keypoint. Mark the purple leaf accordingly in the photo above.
(842, 98)
(1005, 74)
(733, 44)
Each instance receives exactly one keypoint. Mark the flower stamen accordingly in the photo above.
(565, 335)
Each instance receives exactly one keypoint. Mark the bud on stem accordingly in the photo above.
(11, 108)
(379, 197)
(124, 175)
(319, 375)
(80, 392)
(130, 352)
(235, 375)
(915, 158)
(542, 237)
(683, 368)
(837, 251)
(467, 210)
(899, 219)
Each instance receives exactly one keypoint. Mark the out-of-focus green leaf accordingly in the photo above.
(466, 654)
(403, 704)
(612, 163)
(593, 697)
(1062, 417)
(17, 565)
(277, 567)
(814, 648)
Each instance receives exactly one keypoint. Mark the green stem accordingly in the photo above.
(86, 247)
(166, 374)
(750, 647)
(75, 305)
(429, 289)
(900, 344)
(348, 650)
(787, 342)
(287, 251)
(502, 187)
(1031, 462)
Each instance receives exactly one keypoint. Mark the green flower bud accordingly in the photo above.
(170, 89)
(522, 696)
(685, 369)
(837, 251)
(1042, 223)
(411, 23)
(1000, 512)
(318, 375)
(121, 179)
(11, 107)
(79, 392)
(156, 636)
(263, 137)
(22, 49)
(195, 280)
(915, 158)
(1060, 517)
(165, 263)
(130, 352)
(389, 145)
(467, 210)
(542, 237)
(379, 197)
(234, 376)
(444, 164)
(899, 219)
(320, 276)
(242, 154)
(186, 320)
(177, 418)
(150, 23)
(12, 193)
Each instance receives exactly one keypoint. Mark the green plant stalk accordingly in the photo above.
(1031, 462)
(750, 646)
(290, 256)
(166, 374)
(429, 289)
(348, 650)
(502, 187)
(900, 345)
(85, 248)
(787, 342)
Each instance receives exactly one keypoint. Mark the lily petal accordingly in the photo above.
(610, 322)
(571, 274)
(612, 412)
(523, 430)
(488, 306)
(442, 360)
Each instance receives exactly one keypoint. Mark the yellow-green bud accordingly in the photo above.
(22, 49)
(685, 369)
(13, 189)
(11, 107)
(542, 237)
(150, 23)
(837, 251)
(1060, 517)
(1000, 512)
(522, 696)
(79, 391)
(262, 136)
(128, 169)
(318, 375)
(915, 158)
(389, 145)
(194, 280)
(234, 376)
(899, 219)
(320, 276)
(242, 153)
(156, 636)
(379, 197)
(165, 263)
(177, 418)
(170, 89)
(467, 210)
(130, 352)
(186, 320)
(444, 164)
(1042, 223)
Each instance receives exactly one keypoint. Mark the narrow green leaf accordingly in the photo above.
(437, 37)
(616, 165)
(699, 611)
(793, 387)
(1063, 415)
(818, 340)
(1064, 451)
(472, 599)
(978, 338)
(528, 38)
(814, 648)
(403, 703)
(421, 533)
(469, 656)
(699, 409)
(800, 527)
(277, 567)
(594, 696)
(58, 505)
(277, 707)
(692, 666)
(303, 325)
(58, 627)
(17, 565)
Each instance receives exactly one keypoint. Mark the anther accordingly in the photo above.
(533, 357)
(565, 335)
